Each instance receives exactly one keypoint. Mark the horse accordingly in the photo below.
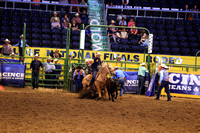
(100, 80)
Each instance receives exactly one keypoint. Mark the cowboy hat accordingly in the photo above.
(13, 54)
(77, 14)
(118, 57)
(55, 60)
(54, 12)
(91, 60)
(98, 53)
(166, 67)
(6, 40)
(163, 65)
(116, 67)
(21, 36)
(143, 64)
(36, 55)
(87, 60)
(49, 58)
(112, 21)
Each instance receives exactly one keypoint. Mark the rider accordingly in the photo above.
(87, 68)
(97, 62)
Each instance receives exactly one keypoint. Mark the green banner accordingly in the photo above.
(96, 16)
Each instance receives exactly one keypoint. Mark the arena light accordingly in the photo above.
(82, 41)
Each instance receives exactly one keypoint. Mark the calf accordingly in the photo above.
(112, 88)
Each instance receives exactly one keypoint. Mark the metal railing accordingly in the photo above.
(162, 10)
(40, 3)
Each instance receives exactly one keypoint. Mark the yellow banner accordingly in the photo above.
(110, 56)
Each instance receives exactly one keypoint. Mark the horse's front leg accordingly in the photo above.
(99, 92)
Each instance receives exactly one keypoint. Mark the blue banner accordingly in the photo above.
(8, 60)
(184, 83)
(152, 85)
(132, 82)
(12, 74)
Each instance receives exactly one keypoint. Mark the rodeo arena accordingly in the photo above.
(100, 66)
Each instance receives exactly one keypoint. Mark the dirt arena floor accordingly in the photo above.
(57, 111)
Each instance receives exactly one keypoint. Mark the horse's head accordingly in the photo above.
(110, 69)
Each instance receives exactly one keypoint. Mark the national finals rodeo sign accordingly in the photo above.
(132, 57)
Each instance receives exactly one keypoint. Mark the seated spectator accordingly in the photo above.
(131, 23)
(77, 18)
(123, 22)
(49, 67)
(36, 6)
(144, 39)
(113, 24)
(7, 48)
(133, 33)
(74, 25)
(65, 24)
(65, 18)
(83, 3)
(55, 21)
(57, 71)
(55, 54)
(78, 76)
(190, 18)
(64, 8)
(112, 34)
(55, 24)
(75, 9)
(123, 34)
(120, 16)
(195, 15)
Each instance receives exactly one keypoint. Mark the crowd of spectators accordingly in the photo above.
(125, 35)
(76, 21)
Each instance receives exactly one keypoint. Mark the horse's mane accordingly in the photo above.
(101, 67)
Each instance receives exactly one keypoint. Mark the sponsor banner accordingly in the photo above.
(132, 82)
(106, 55)
(152, 85)
(12, 74)
(184, 83)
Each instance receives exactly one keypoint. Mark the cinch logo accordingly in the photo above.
(7, 75)
(131, 83)
(184, 82)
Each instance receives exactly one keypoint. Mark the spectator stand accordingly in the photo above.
(62, 82)
(173, 35)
